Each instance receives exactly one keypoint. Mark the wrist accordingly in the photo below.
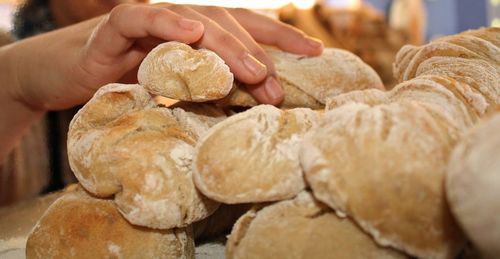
(15, 114)
(15, 79)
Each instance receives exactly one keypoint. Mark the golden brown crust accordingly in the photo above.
(301, 228)
(80, 226)
(253, 156)
(473, 185)
(120, 144)
(177, 71)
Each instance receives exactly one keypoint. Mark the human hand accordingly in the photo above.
(72, 63)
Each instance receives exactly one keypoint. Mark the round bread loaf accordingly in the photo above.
(80, 226)
(473, 186)
(121, 145)
(309, 81)
(301, 228)
(253, 156)
(384, 166)
(177, 71)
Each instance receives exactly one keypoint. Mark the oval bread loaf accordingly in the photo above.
(309, 81)
(80, 226)
(301, 228)
(177, 71)
(253, 156)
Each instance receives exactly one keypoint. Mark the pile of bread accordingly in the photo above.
(343, 169)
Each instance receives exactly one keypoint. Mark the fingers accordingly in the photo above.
(232, 34)
(266, 91)
(272, 32)
(117, 32)
(269, 91)
(238, 57)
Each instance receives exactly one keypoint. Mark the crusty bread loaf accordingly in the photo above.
(120, 144)
(384, 167)
(301, 228)
(309, 81)
(177, 71)
(253, 156)
(80, 226)
(473, 186)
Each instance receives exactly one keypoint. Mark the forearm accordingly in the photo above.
(15, 115)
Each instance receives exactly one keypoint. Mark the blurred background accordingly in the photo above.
(446, 16)
(372, 29)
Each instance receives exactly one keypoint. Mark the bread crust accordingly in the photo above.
(473, 185)
(253, 156)
(384, 167)
(395, 145)
(177, 71)
(121, 145)
(301, 228)
(78, 225)
(309, 81)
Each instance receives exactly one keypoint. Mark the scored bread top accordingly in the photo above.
(253, 156)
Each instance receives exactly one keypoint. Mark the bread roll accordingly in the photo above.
(473, 186)
(301, 228)
(121, 145)
(253, 156)
(384, 167)
(80, 226)
(177, 71)
(309, 81)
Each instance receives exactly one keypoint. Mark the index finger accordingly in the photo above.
(273, 32)
(117, 32)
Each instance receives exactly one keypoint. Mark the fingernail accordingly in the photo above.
(274, 90)
(188, 24)
(254, 65)
(314, 43)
